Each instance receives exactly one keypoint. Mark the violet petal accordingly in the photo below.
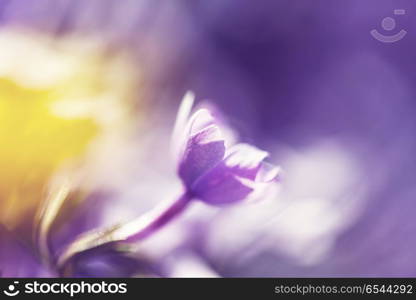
(245, 160)
(203, 151)
(222, 186)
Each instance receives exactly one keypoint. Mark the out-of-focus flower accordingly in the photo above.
(65, 107)
(208, 170)
(57, 96)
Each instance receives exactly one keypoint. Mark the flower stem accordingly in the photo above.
(131, 232)
(157, 218)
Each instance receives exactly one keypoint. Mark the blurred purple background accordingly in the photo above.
(302, 79)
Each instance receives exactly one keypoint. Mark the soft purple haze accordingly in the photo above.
(303, 80)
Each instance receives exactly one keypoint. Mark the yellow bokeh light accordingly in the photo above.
(34, 143)
(54, 100)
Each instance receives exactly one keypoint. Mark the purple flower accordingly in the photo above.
(209, 170)
(212, 172)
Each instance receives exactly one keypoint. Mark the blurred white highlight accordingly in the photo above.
(314, 206)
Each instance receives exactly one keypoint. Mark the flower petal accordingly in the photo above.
(221, 186)
(268, 173)
(200, 120)
(179, 135)
(203, 151)
(245, 160)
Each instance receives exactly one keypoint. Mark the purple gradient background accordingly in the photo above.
(288, 71)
